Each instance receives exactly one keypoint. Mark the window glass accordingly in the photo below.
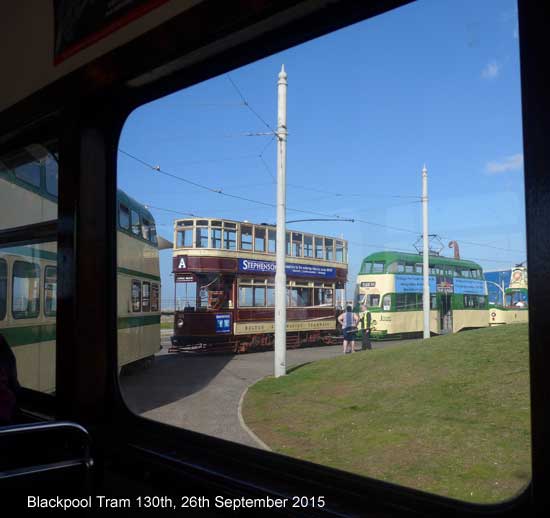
(136, 226)
(363, 189)
(308, 246)
(272, 241)
(25, 290)
(216, 237)
(3, 288)
(50, 291)
(123, 216)
(329, 249)
(154, 297)
(296, 244)
(373, 300)
(246, 296)
(185, 238)
(340, 251)
(201, 237)
(319, 249)
(270, 301)
(259, 239)
(146, 296)
(378, 267)
(51, 175)
(146, 229)
(136, 296)
(29, 173)
(246, 237)
(229, 238)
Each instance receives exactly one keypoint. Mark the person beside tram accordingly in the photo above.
(365, 320)
(348, 321)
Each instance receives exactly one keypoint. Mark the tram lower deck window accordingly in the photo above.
(136, 296)
(26, 290)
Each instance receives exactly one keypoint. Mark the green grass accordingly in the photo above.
(448, 416)
(166, 325)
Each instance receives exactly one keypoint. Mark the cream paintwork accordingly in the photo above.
(508, 316)
(467, 318)
(396, 322)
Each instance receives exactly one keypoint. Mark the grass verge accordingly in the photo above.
(449, 415)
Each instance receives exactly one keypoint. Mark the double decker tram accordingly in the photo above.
(389, 286)
(227, 271)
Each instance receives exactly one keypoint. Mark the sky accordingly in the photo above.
(434, 82)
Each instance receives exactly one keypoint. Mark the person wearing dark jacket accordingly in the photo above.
(9, 386)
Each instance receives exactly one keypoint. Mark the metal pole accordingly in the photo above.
(425, 254)
(280, 272)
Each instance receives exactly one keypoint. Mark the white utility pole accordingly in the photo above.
(280, 265)
(425, 254)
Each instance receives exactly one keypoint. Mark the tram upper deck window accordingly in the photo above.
(418, 267)
(216, 234)
(319, 248)
(308, 245)
(25, 290)
(185, 236)
(146, 229)
(296, 244)
(154, 297)
(378, 267)
(340, 251)
(136, 296)
(259, 239)
(201, 234)
(271, 241)
(409, 267)
(146, 296)
(29, 172)
(3, 288)
(246, 237)
(229, 235)
(329, 249)
(123, 216)
(136, 225)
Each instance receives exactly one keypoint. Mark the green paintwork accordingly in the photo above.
(390, 257)
(138, 321)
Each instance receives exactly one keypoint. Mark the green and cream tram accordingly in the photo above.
(28, 273)
(389, 286)
(516, 305)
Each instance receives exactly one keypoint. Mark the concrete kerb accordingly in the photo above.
(262, 444)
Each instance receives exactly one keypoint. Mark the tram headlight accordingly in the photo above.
(179, 322)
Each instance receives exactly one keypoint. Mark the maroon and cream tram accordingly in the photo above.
(227, 269)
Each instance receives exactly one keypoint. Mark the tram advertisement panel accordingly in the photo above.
(298, 270)
(460, 286)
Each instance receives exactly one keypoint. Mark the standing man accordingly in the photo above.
(348, 321)
(365, 326)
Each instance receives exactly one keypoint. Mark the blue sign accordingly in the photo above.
(297, 270)
(469, 286)
(412, 283)
(223, 323)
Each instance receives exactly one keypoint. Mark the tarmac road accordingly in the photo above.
(202, 393)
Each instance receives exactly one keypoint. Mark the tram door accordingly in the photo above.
(445, 314)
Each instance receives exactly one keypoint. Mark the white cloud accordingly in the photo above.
(508, 163)
(491, 70)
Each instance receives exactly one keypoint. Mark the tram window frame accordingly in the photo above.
(145, 300)
(378, 266)
(146, 226)
(155, 296)
(216, 233)
(202, 234)
(271, 241)
(135, 222)
(135, 301)
(369, 298)
(260, 236)
(47, 297)
(229, 236)
(329, 250)
(308, 246)
(19, 314)
(3, 288)
(246, 231)
(339, 251)
(121, 210)
(297, 244)
(187, 240)
(29, 173)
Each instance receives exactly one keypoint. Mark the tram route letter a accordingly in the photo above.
(181, 263)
